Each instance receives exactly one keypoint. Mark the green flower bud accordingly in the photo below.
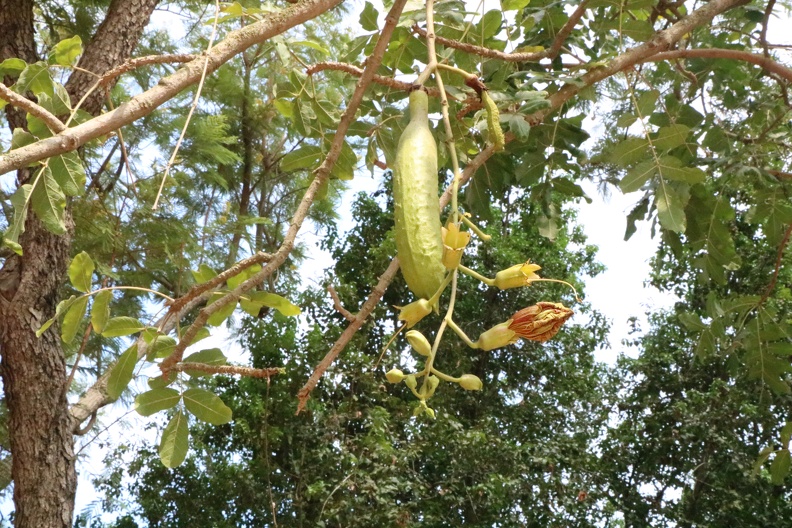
(431, 384)
(470, 382)
(394, 376)
(430, 412)
(410, 381)
(414, 312)
(419, 342)
(517, 276)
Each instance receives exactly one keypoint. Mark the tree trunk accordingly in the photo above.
(34, 380)
(34, 369)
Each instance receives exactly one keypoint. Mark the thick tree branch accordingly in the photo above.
(765, 63)
(321, 175)
(29, 106)
(145, 103)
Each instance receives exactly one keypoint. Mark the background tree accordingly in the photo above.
(697, 121)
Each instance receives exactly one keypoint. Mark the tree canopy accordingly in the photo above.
(161, 186)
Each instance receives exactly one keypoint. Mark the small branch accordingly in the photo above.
(138, 62)
(32, 108)
(766, 22)
(765, 63)
(338, 306)
(248, 372)
(550, 53)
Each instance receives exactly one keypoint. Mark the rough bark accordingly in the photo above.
(34, 380)
(34, 369)
(16, 40)
(114, 41)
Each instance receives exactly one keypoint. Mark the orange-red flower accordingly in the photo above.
(541, 321)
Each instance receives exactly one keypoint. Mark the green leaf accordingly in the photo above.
(100, 312)
(638, 30)
(21, 138)
(491, 23)
(692, 321)
(625, 120)
(156, 400)
(210, 356)
(786, 434)
(671, 168)
(244, 275)
(173, 445)
(207, 406)
(49, 203)
(671, 136)
(512, 5)
(161, 347)
(81, 272)
(20, 201)
(217, 318)
(669, 208)
(305, 157)
(368, 18)
(122, 326)
(73, 318)
(35, 78)
(160, 382)
(254, 301)
(284, 107)
(637, 176)
(645, 102)
(66, 51)
(779, 469)
(12, 67)
(313, 45)
(203, 274)
(68, 171)
(519, 126)
(121, 372)
(344, 168)
(629, 151)
(59, 310)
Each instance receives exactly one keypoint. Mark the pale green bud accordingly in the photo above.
(470, 382)
(410, 381)
(419, 342)
(394, 376)
(431, 384)
(414, 312)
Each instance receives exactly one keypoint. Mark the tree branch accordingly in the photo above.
(168, 87)
(764, 62)
(54, 124)
(137, 62)
(379, 79)
(228, 369)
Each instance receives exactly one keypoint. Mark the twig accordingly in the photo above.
(133, 64)
(766, 22)
(52, 122)
(248, 372)
(338, 306)
(550, 53)
(192, 107)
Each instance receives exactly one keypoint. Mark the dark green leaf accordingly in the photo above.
(305, 157)
(209, 356)
(48, 202)
(669, 208)
(779, 469)
(368, 18)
